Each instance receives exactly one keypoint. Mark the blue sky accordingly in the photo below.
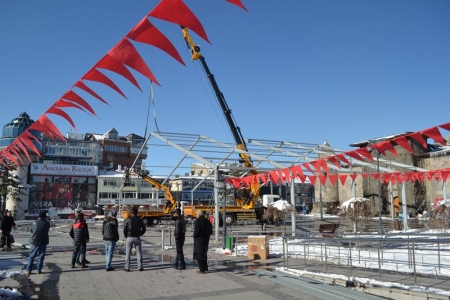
(300, 71)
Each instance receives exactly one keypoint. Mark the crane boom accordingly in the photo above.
(249, 200)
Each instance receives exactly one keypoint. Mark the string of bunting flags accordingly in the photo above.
(118, 60)
(320, 166)
(124, 56)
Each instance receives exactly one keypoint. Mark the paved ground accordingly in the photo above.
(229, 277)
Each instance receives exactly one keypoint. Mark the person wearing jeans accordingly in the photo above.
(39, 240)
(110, 232)
(133, 229)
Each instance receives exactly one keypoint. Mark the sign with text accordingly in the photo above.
(54, 169)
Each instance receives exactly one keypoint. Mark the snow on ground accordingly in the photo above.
(281, 204)
(397, 260)
(349, 203)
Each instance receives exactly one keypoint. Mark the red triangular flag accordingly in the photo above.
(343, 178)
(418, 137)
(110, 63)
(434, 134)
(238, 3)
(312, 179)
(85, 88)
(95, 75)
(445, 126)
(365, 153)
(307, 167)
(125, 52)
(323, 164)
(334, 160)
(332, 178)
(341, 157)
(74, 97)
(322, 179)
(354, 154)
(404, 143)
(145, 32)
(57, 111)
(177, 12)
(444, 175)
(389, 147)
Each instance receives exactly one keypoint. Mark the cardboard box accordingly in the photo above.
(258, 247)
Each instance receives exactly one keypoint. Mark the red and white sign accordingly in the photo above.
(54, 169)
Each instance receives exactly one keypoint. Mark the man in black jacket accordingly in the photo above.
(110, 232)
(133, 229)
(39, 240)
(80, 235)
(180, 235)
(6, 226)
(202, 234)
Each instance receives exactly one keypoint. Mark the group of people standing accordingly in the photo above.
(133, 229)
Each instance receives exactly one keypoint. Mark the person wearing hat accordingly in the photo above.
(202, 233)
(180, 235)
(110, 232)
(79, 232)
(39, 240)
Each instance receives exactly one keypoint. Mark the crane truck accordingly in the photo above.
(153, 216)
(246, 207)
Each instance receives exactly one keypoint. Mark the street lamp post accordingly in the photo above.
(380, 220)
(222, 185)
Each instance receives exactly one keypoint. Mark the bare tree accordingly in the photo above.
(439, 217)
(275, 214)
(360, 210)
(11, 187)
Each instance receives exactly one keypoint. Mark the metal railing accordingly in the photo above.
(412, 253)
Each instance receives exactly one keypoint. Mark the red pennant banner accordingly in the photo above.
(96, 75)
(341, 157)
(145, 32)
(128, 55)
(175, 11)
(110, 63)
(332, 178)
(85, 88)
(343, 178)
(322, 179)
(418, 137)
(365, 153)
(445, 126)
(238, 3)
(403, 142)
(334, 160)
(323, 165)
(312, 179)
(434, 134)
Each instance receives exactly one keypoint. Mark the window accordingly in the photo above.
(144, 195)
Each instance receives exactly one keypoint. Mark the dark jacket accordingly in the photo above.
(110, 229)
(134, 227)
(79, 231)
(202, 233)
(7, 224)
(180, 227)
(39, 232)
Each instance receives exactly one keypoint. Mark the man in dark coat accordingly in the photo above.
(80, 235)
(6, 226)
(110, 232)
(202, 233)
(39, 240)
(180, 235)
(133, 229)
